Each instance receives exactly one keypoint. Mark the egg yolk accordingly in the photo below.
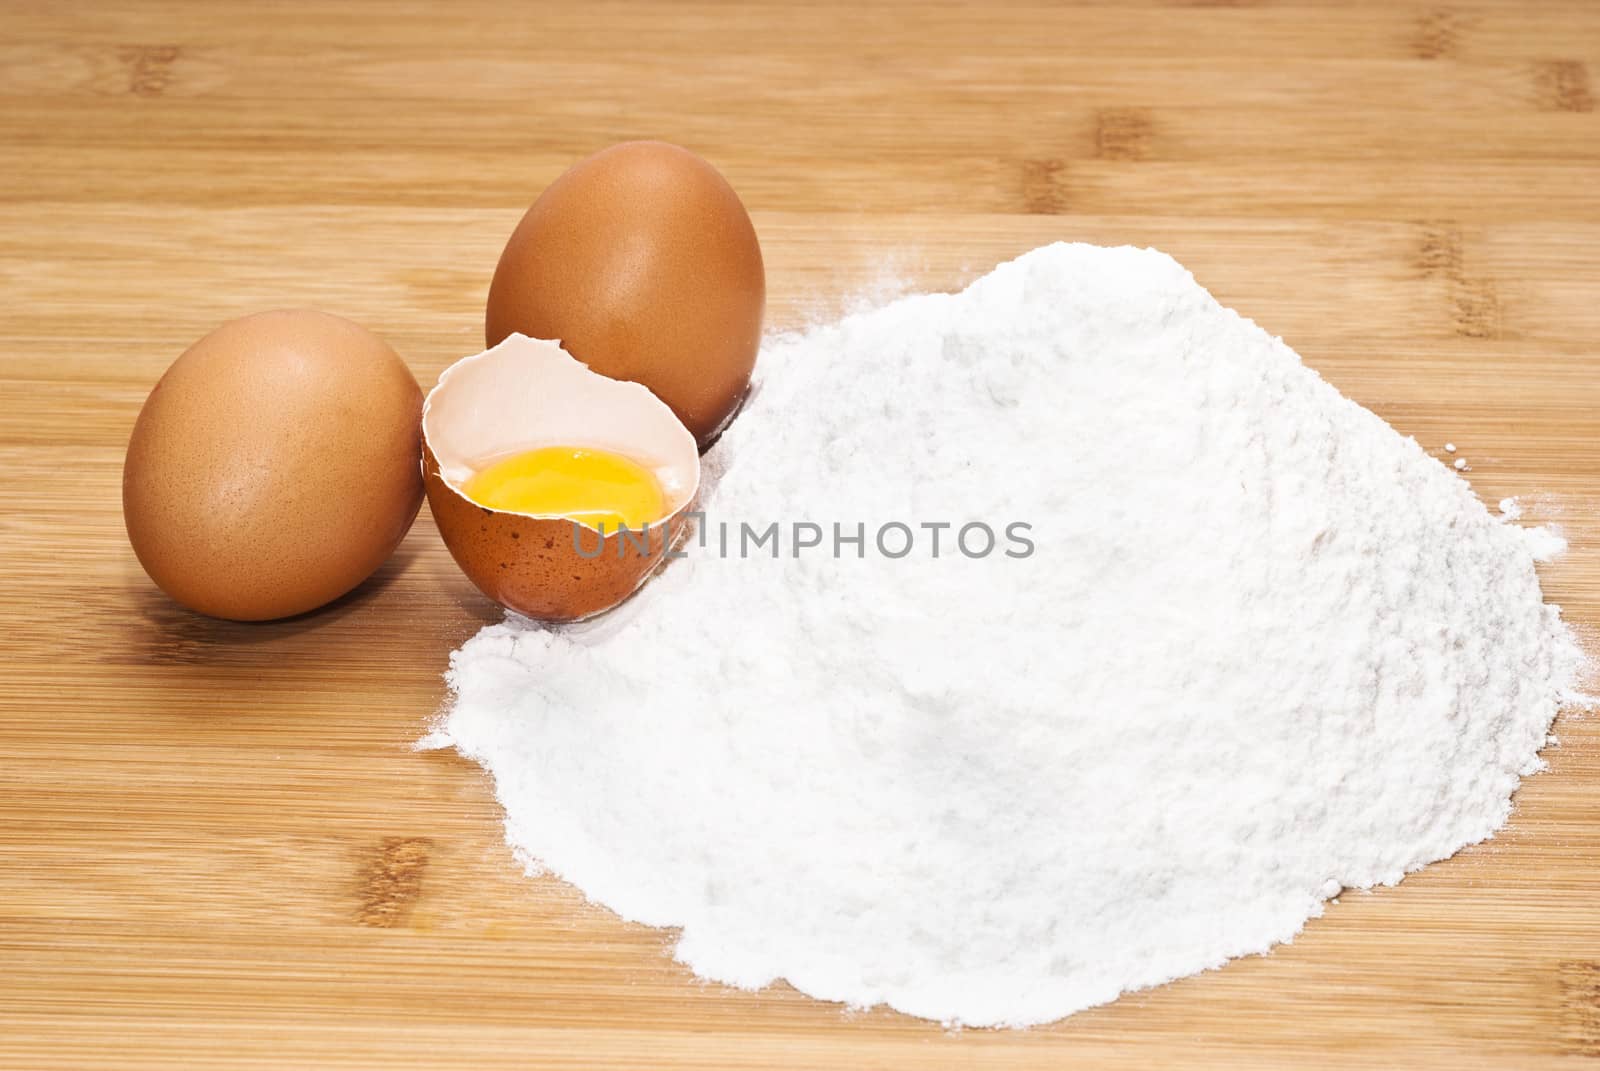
(594, 487)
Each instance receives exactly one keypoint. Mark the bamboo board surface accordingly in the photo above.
(216, 846)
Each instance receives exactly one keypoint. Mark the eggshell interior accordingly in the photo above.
(526, 393)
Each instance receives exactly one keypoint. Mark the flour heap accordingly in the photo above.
(1265, 648)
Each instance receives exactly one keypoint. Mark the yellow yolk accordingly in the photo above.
(594, 487)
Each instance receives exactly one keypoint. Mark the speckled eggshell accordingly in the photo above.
(274, 466)
(532, 564)
(642, 260)
(522, 394)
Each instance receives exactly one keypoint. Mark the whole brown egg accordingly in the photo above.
(643, 263)
(274, 466)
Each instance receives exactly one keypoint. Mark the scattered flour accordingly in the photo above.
(1546, 543)
(1267, 648)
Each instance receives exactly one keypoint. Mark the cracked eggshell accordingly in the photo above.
(527, 393)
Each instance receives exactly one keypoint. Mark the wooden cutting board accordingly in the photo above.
(217, 847)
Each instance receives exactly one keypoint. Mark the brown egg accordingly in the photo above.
(642, 261)
(274, 466)
(525, 394)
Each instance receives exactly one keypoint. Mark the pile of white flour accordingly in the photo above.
(1265, 648)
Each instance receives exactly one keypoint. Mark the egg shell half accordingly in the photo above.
(527, 393)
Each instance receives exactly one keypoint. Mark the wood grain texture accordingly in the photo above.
(216, 846)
